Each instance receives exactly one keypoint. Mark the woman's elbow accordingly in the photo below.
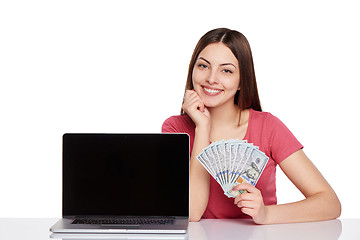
(337, 208)
(196, 213)
(192, 219)
(195, 217)
(334, 208)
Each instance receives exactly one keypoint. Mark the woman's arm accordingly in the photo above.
(320, 203)
(199, 177)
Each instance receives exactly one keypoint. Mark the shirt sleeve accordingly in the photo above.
(282, 141)
(170, 126)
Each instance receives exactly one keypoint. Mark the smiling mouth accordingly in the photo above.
(211, 91)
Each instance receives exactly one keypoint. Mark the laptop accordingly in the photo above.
(125, 183)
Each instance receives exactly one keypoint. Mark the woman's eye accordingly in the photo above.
(227, 71)
(202, 65)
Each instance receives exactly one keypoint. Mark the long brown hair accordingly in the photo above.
(247, 96)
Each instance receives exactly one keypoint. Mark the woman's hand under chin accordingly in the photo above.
(195, 109)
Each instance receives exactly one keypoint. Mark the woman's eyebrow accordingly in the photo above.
(205, 60)
(223, 64)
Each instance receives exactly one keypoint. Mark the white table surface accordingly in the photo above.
(212, 229)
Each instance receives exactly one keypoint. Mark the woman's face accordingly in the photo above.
(216, 75)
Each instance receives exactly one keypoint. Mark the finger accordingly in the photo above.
(246, 197)
(193, 108)
(248, 211)
(206, 112)
(245, 186)
(191, 96)
(201, 106)
(247, 204)
(191, 93)
(190, 100)
(187, 92)
(195, 103)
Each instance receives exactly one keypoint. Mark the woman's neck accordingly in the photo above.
(224, 115)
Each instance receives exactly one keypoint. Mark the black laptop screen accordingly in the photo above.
(126, 174)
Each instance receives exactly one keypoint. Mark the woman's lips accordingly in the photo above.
(211, 91)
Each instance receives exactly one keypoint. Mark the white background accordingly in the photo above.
(111, 66)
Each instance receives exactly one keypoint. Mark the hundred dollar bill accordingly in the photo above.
(203, 159)
(214, 161)
(251, 171)
(220, 148)
(211, 158)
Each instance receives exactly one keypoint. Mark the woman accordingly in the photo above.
(221, 101)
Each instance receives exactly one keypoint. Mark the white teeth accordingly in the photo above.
(211, 90)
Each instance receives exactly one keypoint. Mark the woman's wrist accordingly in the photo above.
(203, 132)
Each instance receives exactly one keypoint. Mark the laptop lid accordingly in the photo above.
(126, 175)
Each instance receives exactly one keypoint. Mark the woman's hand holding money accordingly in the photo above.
(251, 202)
(195, 109)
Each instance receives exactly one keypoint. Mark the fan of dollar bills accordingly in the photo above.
(232, 162)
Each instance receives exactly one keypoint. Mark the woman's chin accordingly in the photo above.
(209, 105)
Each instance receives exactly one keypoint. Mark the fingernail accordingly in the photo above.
(234, 188)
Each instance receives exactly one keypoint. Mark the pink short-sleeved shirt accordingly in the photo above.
(265, 131)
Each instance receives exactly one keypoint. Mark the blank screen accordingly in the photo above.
(126, 174)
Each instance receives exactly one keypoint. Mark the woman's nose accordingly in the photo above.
(212, 78)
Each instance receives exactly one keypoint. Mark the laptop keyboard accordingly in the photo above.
(124, 221)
